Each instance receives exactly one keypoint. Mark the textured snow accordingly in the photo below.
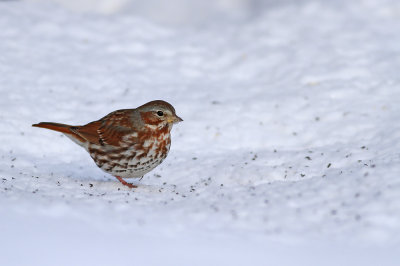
(289, 151)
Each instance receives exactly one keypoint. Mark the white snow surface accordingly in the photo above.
(289, 152)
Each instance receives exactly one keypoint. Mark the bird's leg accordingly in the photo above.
(125, 183)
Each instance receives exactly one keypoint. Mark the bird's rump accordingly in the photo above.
(109, 130)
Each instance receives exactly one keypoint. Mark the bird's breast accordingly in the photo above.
(133, 159)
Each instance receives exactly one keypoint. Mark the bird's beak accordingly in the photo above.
(175, 119)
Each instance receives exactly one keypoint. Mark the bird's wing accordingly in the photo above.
(110, 130)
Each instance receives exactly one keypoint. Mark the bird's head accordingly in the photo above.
(158, 114)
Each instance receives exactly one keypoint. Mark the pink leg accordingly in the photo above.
(125, 183)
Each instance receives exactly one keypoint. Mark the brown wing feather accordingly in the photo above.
(109, 130)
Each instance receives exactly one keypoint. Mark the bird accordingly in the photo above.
(126, 143)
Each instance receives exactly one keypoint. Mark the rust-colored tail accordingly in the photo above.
(54, 126)
(63, 128)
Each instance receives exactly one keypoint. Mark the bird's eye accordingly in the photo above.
(160, 113)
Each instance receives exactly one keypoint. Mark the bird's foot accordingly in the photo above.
(125, 183)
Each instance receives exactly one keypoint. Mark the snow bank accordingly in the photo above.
(290, 141)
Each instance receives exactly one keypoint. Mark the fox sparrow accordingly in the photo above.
(125, 143)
